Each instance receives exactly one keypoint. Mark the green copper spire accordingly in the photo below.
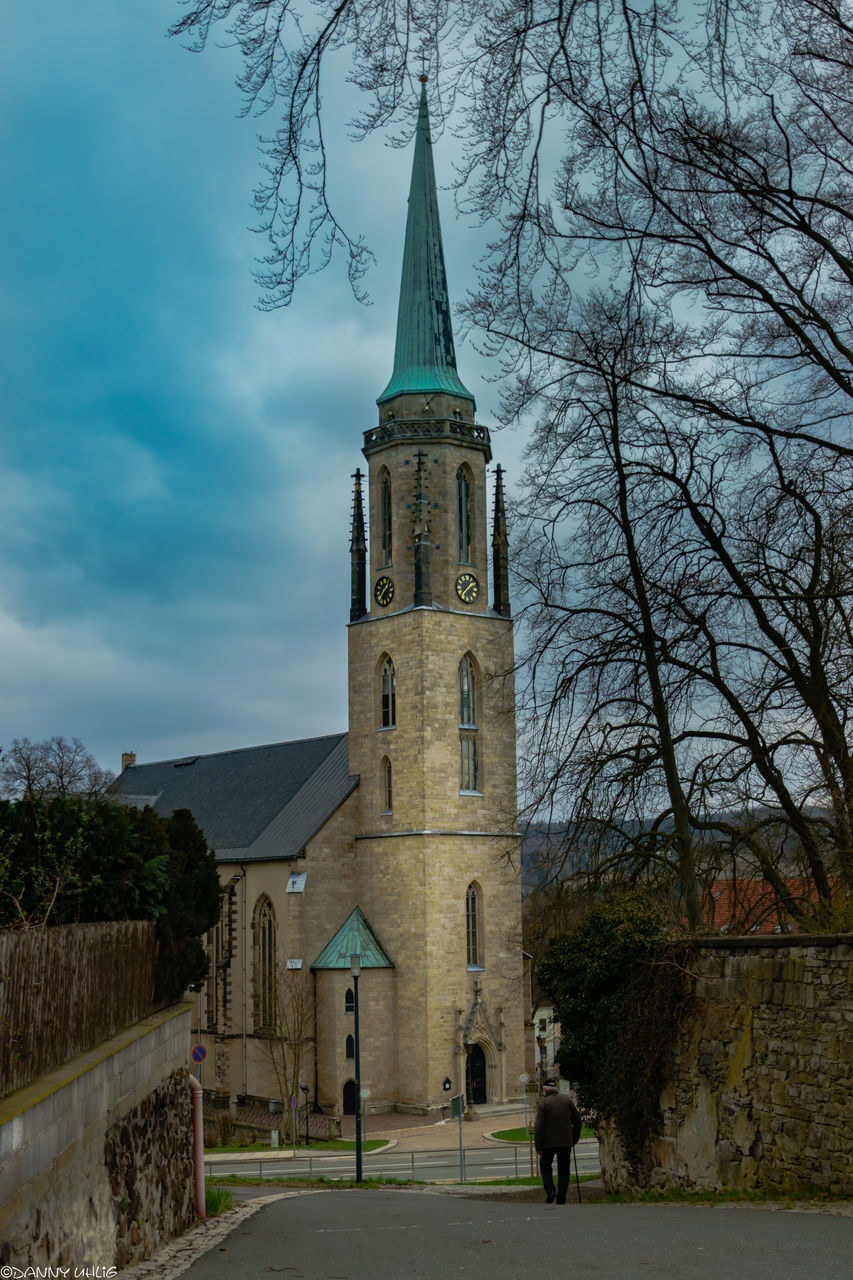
(424, 358)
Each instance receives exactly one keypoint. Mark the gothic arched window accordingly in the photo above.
(469, 745)
(264, 964)
(350, 1049)
(463, 514)
(474, 925)
(389, 695)
(467, 692)
(386, 519)
(469, 764)
(349, 1001)
(387, 790)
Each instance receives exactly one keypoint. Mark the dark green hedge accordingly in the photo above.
(71, 860)
(619, 989)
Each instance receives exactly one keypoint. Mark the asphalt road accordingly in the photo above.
(492, 1161)
(418, 1235)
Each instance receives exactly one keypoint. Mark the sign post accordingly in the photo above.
(457, 1111)
(198, 1053)
(523, 1081)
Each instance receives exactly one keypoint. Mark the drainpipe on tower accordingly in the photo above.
(245, 1001)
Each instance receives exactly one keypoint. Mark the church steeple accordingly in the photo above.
(431, 711)
(424, 356)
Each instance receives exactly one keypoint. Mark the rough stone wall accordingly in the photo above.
(148, 1157)
(94, 1158)
(760, 1095)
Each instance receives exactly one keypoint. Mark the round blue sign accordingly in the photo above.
(199, 1053)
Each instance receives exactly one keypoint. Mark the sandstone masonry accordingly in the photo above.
(760, 1093)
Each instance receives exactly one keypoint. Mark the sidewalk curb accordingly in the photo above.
(286, 1153)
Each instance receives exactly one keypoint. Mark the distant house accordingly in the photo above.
(747, 906)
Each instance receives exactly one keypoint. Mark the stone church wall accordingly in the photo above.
(96, 1164)
(304, 924)
(760, 1093)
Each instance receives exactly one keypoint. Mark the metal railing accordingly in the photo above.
(407, 1166)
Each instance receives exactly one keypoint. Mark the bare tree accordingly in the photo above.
(289, 1037)
(688, 616)
(58, 766)
(689, 561)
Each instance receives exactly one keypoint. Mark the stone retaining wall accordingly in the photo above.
(760, 1095)
(96, 1162)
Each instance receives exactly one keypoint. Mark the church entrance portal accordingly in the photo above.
(475, 1076)
(349, 1098)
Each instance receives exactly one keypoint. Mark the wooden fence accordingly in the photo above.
(65, 989)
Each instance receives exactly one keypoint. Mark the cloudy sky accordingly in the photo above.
(174, 464)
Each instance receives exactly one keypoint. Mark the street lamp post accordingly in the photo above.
(355, 970)
(305, 1090)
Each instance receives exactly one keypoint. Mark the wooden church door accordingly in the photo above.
(475, 1076)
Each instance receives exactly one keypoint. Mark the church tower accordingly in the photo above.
(431, 706)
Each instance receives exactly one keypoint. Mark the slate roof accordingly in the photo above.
(355, 937)
(254, 804)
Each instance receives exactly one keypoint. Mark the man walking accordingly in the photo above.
(557, 1129)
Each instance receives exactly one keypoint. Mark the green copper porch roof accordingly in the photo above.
(355, 937)
(424, 356)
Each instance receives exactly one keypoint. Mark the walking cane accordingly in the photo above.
(577, 1175)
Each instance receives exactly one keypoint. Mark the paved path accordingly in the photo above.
(422, 1133)
(423, 1235)
(450, 1231)
(426, 1133)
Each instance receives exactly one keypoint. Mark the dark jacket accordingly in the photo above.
(558, 1123)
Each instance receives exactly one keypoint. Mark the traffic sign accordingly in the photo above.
(198, 1053)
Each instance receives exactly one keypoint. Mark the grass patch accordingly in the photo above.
(335, 1184)
(331, 1144)
(521, 1134)
(523, 1182)
(217, 1201)
(679, 1195)
(331, 1184)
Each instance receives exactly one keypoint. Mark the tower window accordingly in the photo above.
(350, 1050)
(469, 758)
(468, 764)
(386, 519)
(474, 925)
(389, 695)
(349, 1001)
(387, 792)
(463, 514)
(467, 692)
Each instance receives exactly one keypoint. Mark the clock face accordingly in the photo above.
(467, 588)
(383, 592)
